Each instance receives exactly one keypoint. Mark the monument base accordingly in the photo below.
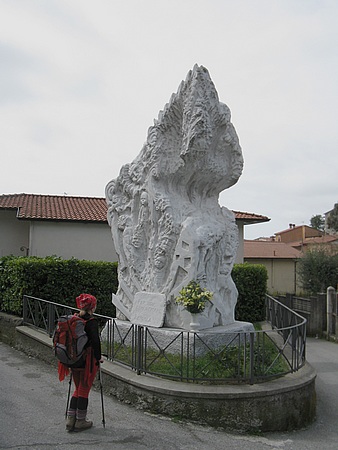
(174, 340)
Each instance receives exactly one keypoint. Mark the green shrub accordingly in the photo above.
(56, 280)
(61, 281)
(251, 282)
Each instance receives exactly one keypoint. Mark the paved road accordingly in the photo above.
(32, 404)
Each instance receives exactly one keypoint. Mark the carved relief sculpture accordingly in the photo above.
(167, 225)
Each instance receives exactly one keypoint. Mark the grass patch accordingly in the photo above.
(223, 365)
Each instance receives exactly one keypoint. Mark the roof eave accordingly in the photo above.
(252, 221)
(42, 219)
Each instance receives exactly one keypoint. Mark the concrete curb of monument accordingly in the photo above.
(284, 404)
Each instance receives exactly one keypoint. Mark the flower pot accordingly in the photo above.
(194, 324)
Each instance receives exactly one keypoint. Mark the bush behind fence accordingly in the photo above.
(61, 281)
(56, 280)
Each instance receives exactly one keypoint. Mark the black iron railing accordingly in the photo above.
(243, 357)
(43, 314)
(291, 327)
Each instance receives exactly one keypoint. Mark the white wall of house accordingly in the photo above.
(90, 241)
(281, 274)
(81, 240)
(14, 234)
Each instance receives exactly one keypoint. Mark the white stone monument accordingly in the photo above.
(167, 225)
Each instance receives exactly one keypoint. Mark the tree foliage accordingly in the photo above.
(318, 270)
(317, 222)
(332, 220)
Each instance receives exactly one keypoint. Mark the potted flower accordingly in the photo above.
(194, 299)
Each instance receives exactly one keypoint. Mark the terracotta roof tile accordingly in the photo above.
(316, 240)
(248, 218)
(307, 230)
(87, 209)
(53, 207)
(321, 239)
(269, 249)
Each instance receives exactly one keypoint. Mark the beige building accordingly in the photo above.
(305, 238)
(297, 233)
(65, 226)
(280, 260)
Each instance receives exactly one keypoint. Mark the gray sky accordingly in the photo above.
(81, 81)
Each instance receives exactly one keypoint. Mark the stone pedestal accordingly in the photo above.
(175, 340)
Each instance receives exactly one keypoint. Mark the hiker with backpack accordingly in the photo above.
(77, 345)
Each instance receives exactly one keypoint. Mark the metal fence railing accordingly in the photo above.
(243, 357)
(291, 327)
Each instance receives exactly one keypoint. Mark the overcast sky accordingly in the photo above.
(81, 81)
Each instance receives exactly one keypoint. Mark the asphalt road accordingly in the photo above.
(32, 406)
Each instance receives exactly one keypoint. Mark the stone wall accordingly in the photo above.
(8, 326)
(285, 404)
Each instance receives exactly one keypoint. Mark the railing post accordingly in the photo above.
(330, 294)
(113, 341)
(185, 346)
(36, 314)
(294, 350)
(24, 309)
(109, 339)
(139, 348)
(51, 319)
(252, 356)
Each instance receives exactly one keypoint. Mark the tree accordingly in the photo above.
(318, 270)
(317, 222)
(332, 220)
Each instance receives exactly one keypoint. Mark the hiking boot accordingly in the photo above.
(70, 423)
(82, 424)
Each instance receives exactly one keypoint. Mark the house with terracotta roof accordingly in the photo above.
(66, 226)
(243, 219)
(280, 260)
(45, 225)
(304, 238)
(280, 254)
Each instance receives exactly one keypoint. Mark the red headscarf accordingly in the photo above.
(86, 302)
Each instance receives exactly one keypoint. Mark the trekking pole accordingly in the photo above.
(70, 384)
(101, 388)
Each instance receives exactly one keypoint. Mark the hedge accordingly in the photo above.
(251, 282)
(61, 281)
(56, 280)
